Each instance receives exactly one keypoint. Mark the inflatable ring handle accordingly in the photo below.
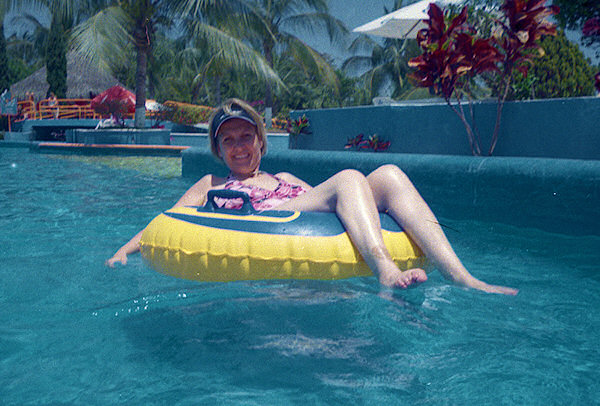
(212, 206)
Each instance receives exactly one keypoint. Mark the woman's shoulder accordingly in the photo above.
(209, 181)
(206, 183)
(196, 194)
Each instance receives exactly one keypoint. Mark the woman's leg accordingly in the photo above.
(394, 192)
(349, 195)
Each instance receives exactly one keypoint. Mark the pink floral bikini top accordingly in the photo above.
(261, 199)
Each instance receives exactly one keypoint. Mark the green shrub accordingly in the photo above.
(187, 114)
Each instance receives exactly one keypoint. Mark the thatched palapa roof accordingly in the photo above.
(82, 78)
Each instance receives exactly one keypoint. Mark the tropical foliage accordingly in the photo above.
(584, 15)
(387, 64)
(56, 59)
(186, 50)
(272, 25)
(186, 114)
(581, 15)
(454, 55)
(384, 64)
(563, 71)
(105, 36)
(370, 143)
(4, 69)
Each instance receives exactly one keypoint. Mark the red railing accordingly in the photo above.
(81, 108)
(59, 108)
(62, 109)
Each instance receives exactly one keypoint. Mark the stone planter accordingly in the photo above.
(120, 136)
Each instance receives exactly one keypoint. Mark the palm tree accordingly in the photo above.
(53, 40)
(217, 65)
(4, 74)
(104, 36)
(29, 45)
(386, 64)
(5, 7)
(272, 24)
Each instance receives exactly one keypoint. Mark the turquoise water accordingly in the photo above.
(75, 332)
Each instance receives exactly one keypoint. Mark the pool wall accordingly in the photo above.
(558, 195)
(551, 128)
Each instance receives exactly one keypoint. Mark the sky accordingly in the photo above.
(353, 13)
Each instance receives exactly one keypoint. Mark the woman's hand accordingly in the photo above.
(121, 255)
(118, 257)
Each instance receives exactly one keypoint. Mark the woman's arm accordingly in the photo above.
(194, 196)
(130, 247)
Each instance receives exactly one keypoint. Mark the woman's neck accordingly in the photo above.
(244, 176)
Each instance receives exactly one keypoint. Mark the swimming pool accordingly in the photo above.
(75, 332)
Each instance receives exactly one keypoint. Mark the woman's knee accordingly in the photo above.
(387, 173)
(351, 177)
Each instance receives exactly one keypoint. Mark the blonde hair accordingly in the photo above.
(227, 107)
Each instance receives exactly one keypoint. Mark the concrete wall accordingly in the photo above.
(275, 141)
(554, 128)
(119, 136)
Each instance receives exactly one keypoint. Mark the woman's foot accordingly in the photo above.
(498, 289)
(403, 280)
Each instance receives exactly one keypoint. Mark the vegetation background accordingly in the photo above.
(203, 51)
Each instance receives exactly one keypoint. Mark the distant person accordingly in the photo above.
(53, 104)
(237, 137)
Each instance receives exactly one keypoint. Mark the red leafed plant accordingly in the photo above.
(454, 54)
(297, 127)
(372, 142)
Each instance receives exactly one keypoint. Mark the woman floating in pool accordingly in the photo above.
(237, 137)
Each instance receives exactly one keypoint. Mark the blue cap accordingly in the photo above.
(225, 114)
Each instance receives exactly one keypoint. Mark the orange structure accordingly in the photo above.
(62, 109)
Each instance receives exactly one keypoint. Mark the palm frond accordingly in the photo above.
(357, 63)
(103, 38)
(312, 23)
(235, 53)
(363, 43)
(313, 62)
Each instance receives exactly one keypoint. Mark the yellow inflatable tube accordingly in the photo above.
(212, 244)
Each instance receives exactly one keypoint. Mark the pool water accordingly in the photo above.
(75, 332)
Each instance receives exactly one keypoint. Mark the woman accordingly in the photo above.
(237, 137)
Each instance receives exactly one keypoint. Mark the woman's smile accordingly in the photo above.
(240, 147)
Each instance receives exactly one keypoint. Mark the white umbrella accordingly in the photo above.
(152, 105)
(402, 23)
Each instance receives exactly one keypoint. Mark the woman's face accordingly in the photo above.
(240, 147)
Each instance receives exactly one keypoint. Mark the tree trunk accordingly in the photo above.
(501, 99)
(4, 73)
(140, 89)
(268, 50)
(218, 89)
(56, 60)
(142, 46)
